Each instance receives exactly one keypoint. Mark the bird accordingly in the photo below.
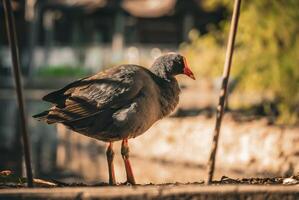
(118, 103)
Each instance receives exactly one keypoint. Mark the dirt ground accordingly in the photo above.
(225, 189)
(9, 180)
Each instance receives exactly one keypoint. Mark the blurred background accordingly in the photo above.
(63, 40)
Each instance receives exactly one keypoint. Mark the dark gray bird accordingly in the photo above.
(119, 103)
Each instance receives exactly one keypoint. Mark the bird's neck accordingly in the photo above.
(169, 97)
(169, 88)
(160, 70)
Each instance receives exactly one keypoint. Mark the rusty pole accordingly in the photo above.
(12, 39)
(223, 92)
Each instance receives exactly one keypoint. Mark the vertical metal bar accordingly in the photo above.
(12, 39)
(223, 92)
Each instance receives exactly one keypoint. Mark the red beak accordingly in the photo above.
(187, 70)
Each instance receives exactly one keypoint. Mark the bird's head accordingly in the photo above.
(171, 64)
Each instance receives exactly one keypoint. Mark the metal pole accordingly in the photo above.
(223, 92)
(12, 39)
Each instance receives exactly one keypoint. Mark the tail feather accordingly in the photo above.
(43, 116)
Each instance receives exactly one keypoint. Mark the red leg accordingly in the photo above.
(125, 155)
(110, 156)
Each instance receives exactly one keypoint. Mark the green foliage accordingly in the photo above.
(266, 55)
(62, 71)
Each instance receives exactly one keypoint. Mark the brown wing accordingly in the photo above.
(104, 91)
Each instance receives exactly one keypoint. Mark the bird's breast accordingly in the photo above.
(169, 97)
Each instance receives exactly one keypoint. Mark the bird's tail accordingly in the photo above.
(43, 116)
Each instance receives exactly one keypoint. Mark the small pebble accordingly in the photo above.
(290, 181)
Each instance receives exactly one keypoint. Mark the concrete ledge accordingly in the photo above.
(241, 192)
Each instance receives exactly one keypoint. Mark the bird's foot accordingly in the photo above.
(112, 183)
(127, 183)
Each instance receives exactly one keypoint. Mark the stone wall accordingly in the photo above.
(176, 149)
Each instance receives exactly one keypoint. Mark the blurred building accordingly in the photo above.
(97, 33)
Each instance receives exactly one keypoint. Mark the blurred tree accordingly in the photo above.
(267, 52)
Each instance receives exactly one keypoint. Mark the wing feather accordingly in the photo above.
(87, 97)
